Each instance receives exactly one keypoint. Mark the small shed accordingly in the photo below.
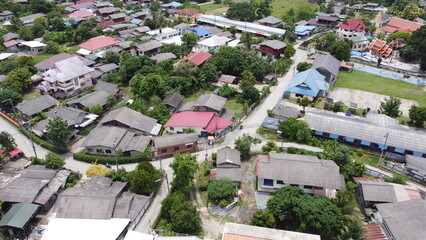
(18, 216)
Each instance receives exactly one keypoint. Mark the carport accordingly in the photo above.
(18, 217)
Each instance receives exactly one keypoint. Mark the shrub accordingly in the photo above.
(104, 160)
(359, 152)
(221, 191)
(269, 111)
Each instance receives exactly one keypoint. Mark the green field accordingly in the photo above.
(381, 85)
(42, 57)
(280, 7)
(210, 5)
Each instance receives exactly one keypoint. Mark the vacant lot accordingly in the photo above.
(280, 7)
(381, 85)
(217, 11)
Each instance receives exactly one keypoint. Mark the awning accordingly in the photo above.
(83, 51)
(15, 152)
(18, 215)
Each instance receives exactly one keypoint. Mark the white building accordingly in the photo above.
(34, 47)
(213, 43)
(163, 33)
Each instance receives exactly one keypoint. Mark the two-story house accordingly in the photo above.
(67, 77)
(351, 28)
(273, 48)
(163, 33)
(212, 43)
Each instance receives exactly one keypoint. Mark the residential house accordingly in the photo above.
(5, 15)
(83, 6)
(359, 43)
(150, 48)
(209, 103)
(228, 165)
(101, 198)
(142, 30)
(11, 36)
(107, 140)
(309, 83)
(273, 48)
(108, 68)
(351, 28)
(81, 14)
(97, 45)
(303, 31)
(140, 15)
(33, 47)
(122, 27)
(380, 48)
(101, 5)
(183, 27)
(324, 21)
(177, 143)
(50, 62)
(227, 79)
(198, 58)
(397, 24)
(212, 44)
(328, 66)
(29, 20)
(118, 17)
(98, 97)
(201, 32)
(368, 132)
(402, 220)
(11, 46)
(284, 110)
(130, 119)
(105, 12)
(28, 109)
(176, 5)
(233, 231)
(6, 56)
(163, 57)
(270, 21)
(188, 13)
(66, 78)
(75, 118)
(204, 123)
(37, 184)
(315, 176)
(163, 33)
(173, 101)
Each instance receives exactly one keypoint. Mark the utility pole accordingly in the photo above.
(19, 124)
(383, 148)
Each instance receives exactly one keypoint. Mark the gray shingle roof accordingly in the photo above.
(410, 139)
(378, 192)
(9, 36)
(48, 63)
(73, 116)
(91, 99)
(327, 62)
(211, 100)
(270, 20)
(108, 10)
(175, 139)
(417, 163)
(144, 47)
(187, 106)
(38, 104)
(301, 170)
(232, 173)
(228, 156)
(284, 110)
(118, 15)
(405, 220)
(163, 56)
(66, 69)
(173, 100)
(31, 17)
(132, 119)
(108, 87)
(108, 67)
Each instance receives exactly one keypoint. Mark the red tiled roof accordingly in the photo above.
(83, 4)
(10, 43)
(374, 232)
(206, 120)
(197, 58)
(396, 24)
(358, 179)
(82, 14)
(105, 24)
(188, 11)
(354, 24)
(98, 43)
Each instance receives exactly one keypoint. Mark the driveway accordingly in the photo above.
(367, 99)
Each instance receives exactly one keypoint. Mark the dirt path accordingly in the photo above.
(212, 226)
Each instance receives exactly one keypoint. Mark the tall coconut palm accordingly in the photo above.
(7, 141)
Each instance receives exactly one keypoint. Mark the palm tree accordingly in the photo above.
(7, 141)
(247, 40)
(233, 30)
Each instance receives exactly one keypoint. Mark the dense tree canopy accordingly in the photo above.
(58, 132)
(5, 95)
(390, 107)
(222, 191)
(17, 80)
(244, 143)
(184, 167)
(417, 115)
(295, 130)
(54, 161)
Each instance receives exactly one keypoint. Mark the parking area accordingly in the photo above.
(367, 99)
(12, 170)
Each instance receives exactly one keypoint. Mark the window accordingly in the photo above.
(163, 150)
(294, 185)
(308, 187)
(172, 128)
(280, 182)
(89, 149)
(268, 182)
(76, 83)
(99, 150)
(176, 148)
(189, 146)
(108, 151)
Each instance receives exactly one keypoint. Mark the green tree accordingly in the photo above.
(250, 94)
(39, 26)
(390, 107)
(118, 175)
(303, 66)
(189, 70)
(7, 141)
(398, 35)
(242, 11)
(295, 130)
(248, 79)
(417, 115)
(5, 95)
(352, 229)
(184, 167)
(171, 202)
(244, 144)
(185, 218)
(222, 189)
(97, 109)
(112, 57)
(148, 86)
(209, 73)
(417, 43)
(154, 6)
(111, 100)
(233, 30)
(189, 40)
(52, 47)
(54, 161)
(58, 132)
(353, 169)
(263, 218)
(270, 147)
(371, 29)
(247, 40)
(289, 51)
(304, 103)
(226, 91)
(142, 182)
(411, 12)
(17, 80)
(341, 50)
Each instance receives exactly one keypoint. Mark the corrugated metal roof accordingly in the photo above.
(18, 215)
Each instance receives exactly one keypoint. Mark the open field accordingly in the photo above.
(376, 84)
(280, 7)
(210, 5)
(217, 11)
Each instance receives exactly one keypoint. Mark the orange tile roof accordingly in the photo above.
(398, 23)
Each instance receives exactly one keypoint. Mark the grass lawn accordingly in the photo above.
(210, 5)
(368, 159)
(31, 94)
(217, 11)
(381, 85)
(280, 7)
(270, 136)
(235, 106)
(195, 95)
(42, 57)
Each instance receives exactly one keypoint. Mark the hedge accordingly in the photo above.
(104, 160)
(43, 143)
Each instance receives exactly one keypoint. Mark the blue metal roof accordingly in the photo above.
(175, 4)
(308, 82)
(303, 30)
(136, 21)
(200, 31)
